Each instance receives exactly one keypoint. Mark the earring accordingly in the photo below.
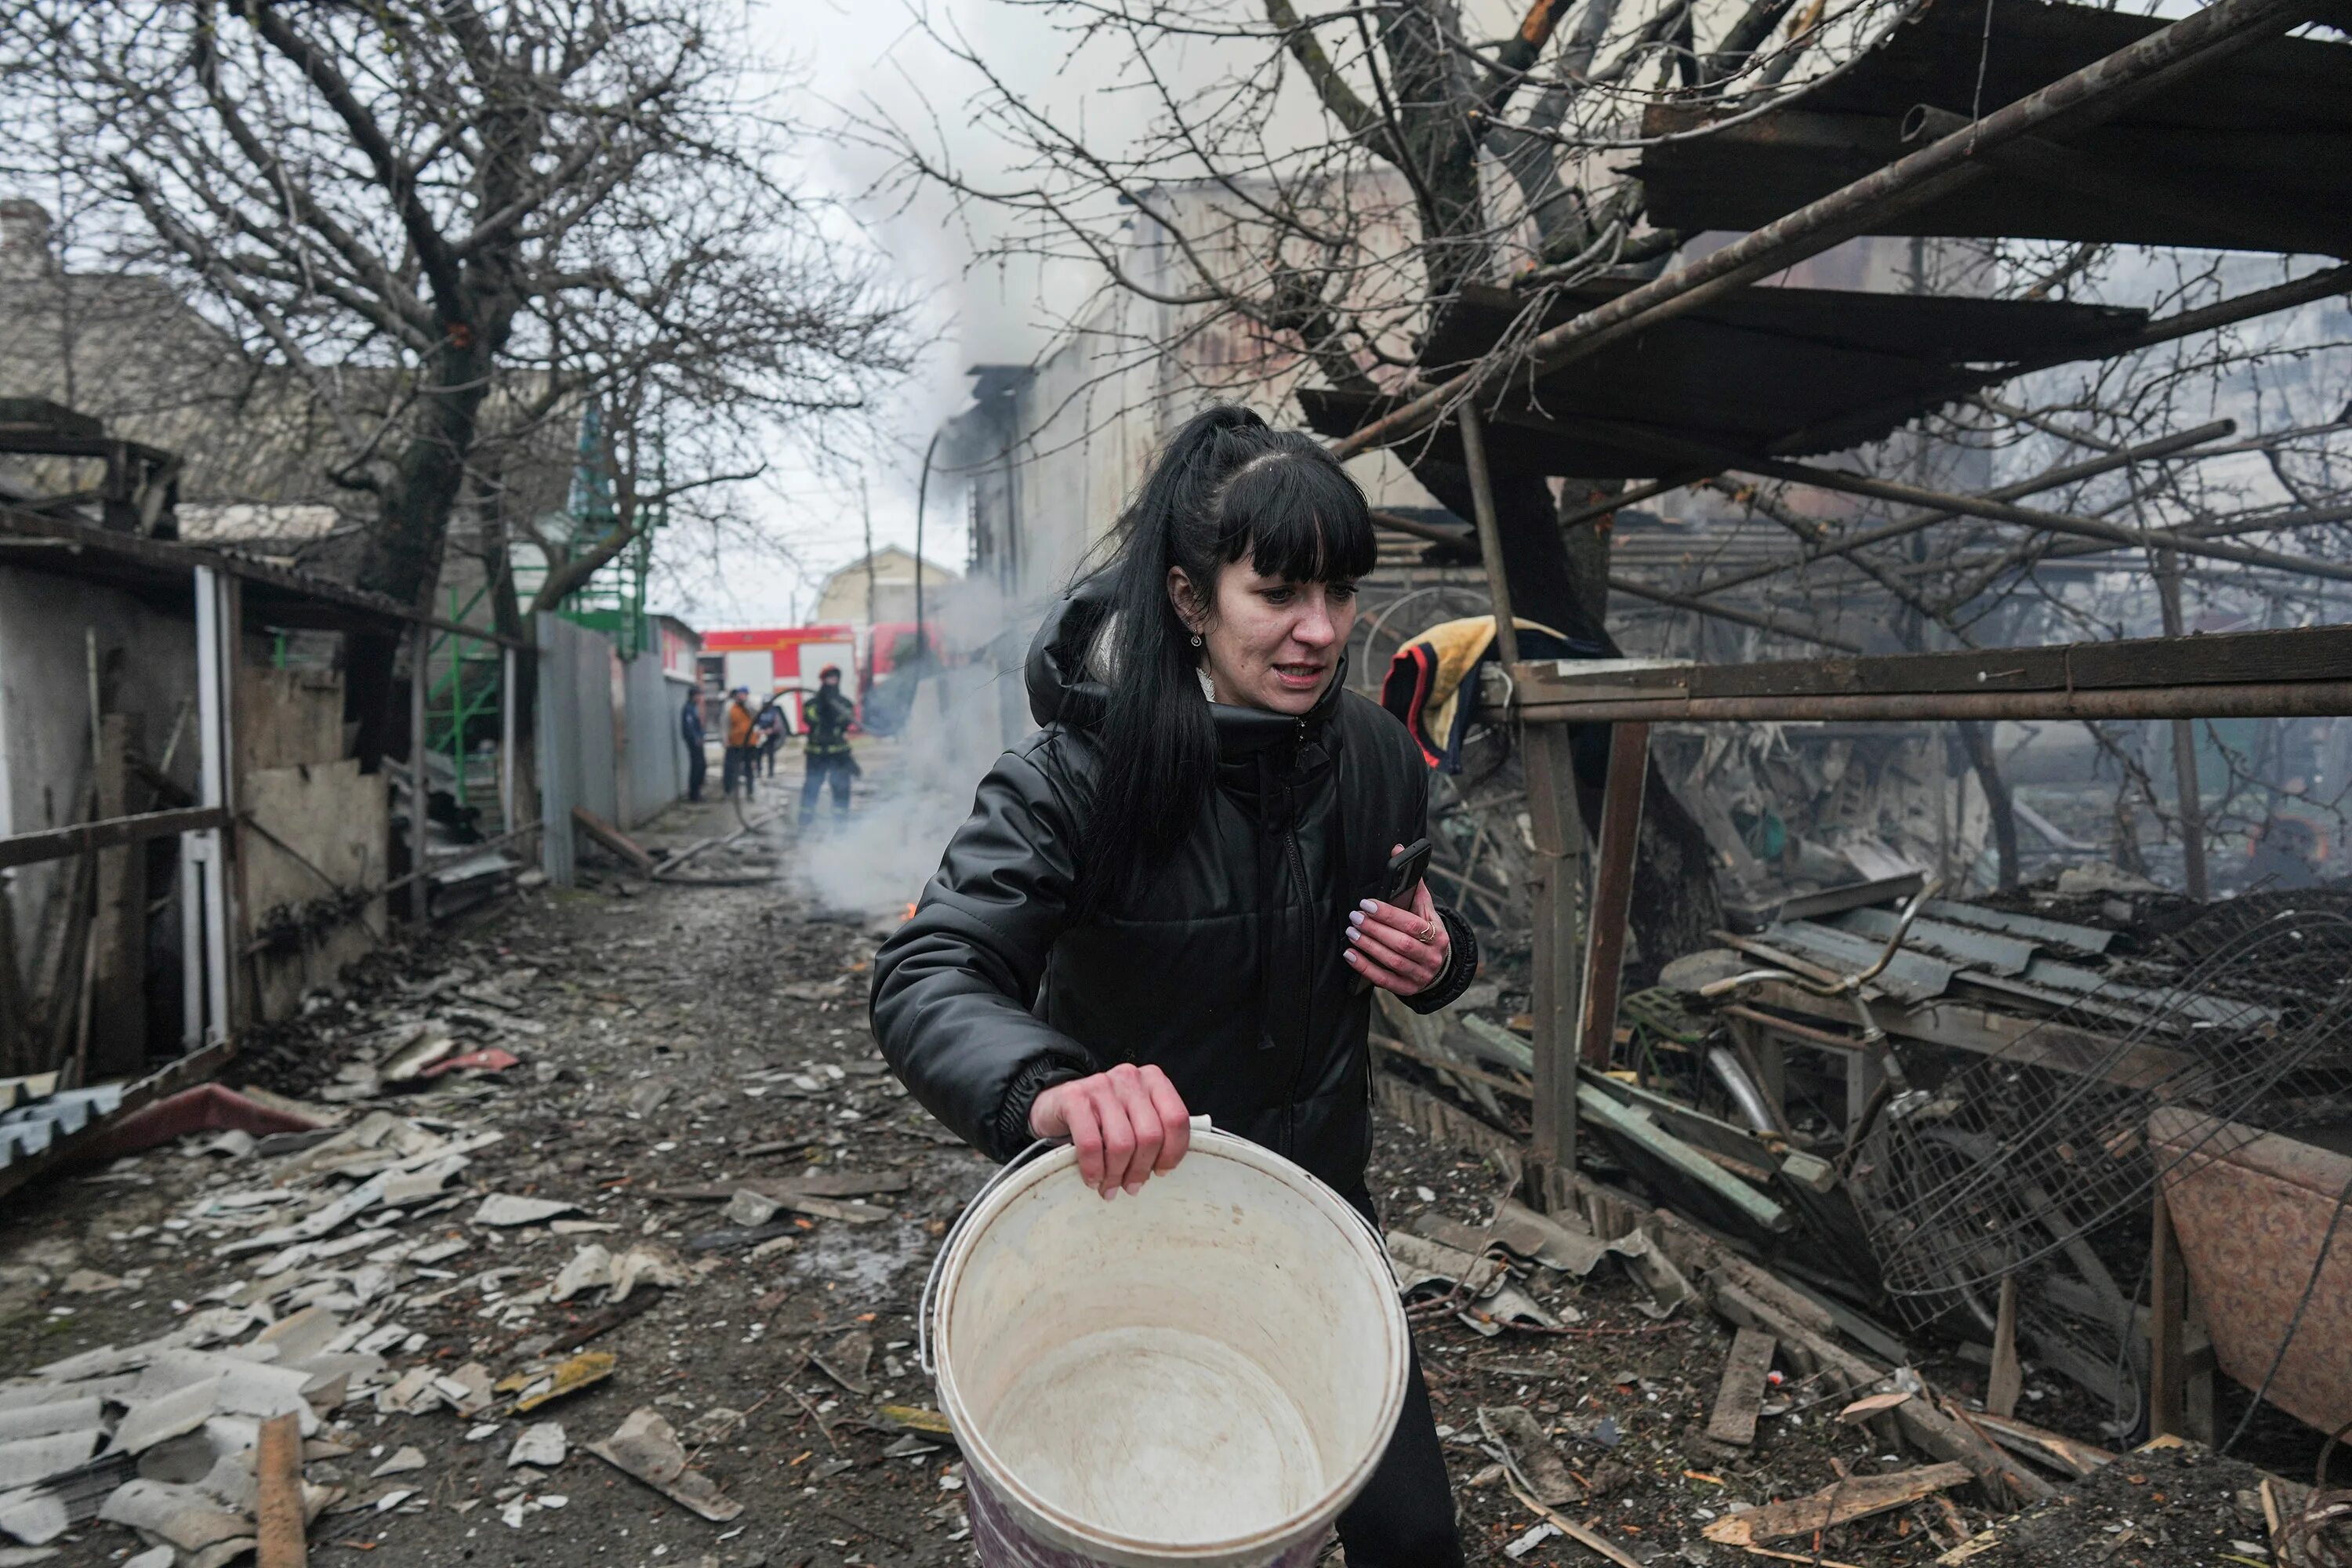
(1196, 639)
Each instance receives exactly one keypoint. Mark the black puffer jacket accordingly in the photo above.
(1225, 970)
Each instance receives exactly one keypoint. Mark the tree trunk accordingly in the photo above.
(403, 560)
(1976, 737)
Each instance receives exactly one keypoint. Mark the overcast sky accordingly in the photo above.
(852, 55)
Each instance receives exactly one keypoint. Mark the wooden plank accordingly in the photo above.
(1612, 889)
(1740, 1395)
(2062, 1453)
(1854, 1497)
(2288, 657)
(612, 838)
(278, 1471)
(116, 1045)
(2061, 1048)
(2008, 1378)
(1556, 961)
(57, 843)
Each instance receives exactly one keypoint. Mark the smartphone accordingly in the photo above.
(1405, 870)
(1406, 867)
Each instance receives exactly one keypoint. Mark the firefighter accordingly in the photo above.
(828, 718)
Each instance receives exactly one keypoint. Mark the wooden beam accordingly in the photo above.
(83, 838)
(614, 839)
(1612, 889)
(1556, 887)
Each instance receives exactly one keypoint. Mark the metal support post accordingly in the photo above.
(204, 884)
(1490, 534)
(507, 722)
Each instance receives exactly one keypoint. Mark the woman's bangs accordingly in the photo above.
(1301, 520)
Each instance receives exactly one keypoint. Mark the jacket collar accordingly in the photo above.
(1247, 731)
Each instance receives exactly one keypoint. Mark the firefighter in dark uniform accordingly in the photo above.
(827, 718)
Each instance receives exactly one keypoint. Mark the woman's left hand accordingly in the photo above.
(1398, 949)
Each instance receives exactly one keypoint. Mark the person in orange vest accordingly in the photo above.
(742, 742)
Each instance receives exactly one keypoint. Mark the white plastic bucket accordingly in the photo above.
(1205, 1372)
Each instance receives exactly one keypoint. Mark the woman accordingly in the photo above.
(1165, 902)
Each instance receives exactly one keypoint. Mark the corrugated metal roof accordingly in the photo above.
(30, 1128)
(1741, 372)
(2254, 153)
(2089, 940)
(1909, 977)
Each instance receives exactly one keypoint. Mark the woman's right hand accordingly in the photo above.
(1127, 1124)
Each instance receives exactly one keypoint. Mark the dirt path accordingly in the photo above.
(677, 1043)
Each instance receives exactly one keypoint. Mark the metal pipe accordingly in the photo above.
(1724, 613)
(1744, 1093)
(1490, 534)
(420, 785)
(2048, 480)
(2271, 700)
(1438, 534)
(2083, 97)
(1675, 449)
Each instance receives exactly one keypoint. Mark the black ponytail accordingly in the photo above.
(1224, 486)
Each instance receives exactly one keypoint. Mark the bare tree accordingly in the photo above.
(455, 224)
(1310, 192)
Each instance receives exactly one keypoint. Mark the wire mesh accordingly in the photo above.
(2010, 1163)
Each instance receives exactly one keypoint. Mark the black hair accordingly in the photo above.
(1222, 487)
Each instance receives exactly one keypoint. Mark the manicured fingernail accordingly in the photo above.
(1355, 916)
(1350, 956)
(1370, 906)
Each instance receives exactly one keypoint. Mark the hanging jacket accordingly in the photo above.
(1223, 968)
